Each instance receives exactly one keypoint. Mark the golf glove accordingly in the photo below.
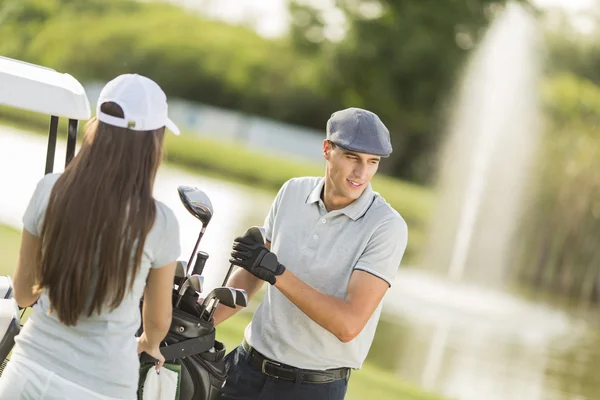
(256, 259)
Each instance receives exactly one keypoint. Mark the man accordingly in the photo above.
(333, 247)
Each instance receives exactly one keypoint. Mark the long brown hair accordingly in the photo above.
(99, 213)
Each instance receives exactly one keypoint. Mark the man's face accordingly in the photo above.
(348, 173)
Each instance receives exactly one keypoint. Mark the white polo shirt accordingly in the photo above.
(323, 249)
(100, 352)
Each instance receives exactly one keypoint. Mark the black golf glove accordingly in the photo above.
(256, 259)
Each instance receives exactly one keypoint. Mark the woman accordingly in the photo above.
(94, 241)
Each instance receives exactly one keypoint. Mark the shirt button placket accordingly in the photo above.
(316, 236)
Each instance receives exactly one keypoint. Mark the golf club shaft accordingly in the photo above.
(212, 309)
(195, 248)
(205, 305)
(228, 274)
(180, 294)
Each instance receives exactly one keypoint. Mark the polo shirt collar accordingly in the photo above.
(354, 210)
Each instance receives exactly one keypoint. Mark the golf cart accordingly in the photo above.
(43, 90)
(190, 344)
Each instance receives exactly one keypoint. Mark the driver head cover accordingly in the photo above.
(143, 102)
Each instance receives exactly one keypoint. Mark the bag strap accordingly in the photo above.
(183, 349)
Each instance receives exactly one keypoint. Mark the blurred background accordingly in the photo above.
(494, 112)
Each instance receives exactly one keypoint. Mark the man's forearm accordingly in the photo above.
(332, 313)
(240, 279)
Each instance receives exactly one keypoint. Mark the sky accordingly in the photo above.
(270, 16)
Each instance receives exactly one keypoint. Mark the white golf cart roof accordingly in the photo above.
(41, 89)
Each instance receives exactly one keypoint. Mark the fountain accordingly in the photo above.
(467, 319)
(493, 134)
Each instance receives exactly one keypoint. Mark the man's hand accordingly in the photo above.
(256, 259)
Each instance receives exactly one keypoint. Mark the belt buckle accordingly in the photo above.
(264, 364)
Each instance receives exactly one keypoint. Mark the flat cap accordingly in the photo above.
(355, 129)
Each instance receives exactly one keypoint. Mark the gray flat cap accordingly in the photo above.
(355, 129)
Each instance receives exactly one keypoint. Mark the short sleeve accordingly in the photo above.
(34, 212)
(270, 219)
(169, 248)
(385, 250)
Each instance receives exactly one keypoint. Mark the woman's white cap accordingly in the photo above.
(143, 102)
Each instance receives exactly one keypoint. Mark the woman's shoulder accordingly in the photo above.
(163, 239)
(51, 178)
(46, 183)
(43, 187)
(165, 217)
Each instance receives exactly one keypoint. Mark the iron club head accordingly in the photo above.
(197, 282)
(241, 297)
(180, 272)
(224, 295)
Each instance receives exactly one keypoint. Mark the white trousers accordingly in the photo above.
(23, 379)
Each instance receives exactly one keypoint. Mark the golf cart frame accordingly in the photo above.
(42, 90)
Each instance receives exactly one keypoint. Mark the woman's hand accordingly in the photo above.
(151, 350)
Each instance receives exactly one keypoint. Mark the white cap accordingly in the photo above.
(143, 102)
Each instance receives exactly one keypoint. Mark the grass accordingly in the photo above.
(235, 162)
(370, 382)
(10, 239)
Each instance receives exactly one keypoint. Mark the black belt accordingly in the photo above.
(278, 370)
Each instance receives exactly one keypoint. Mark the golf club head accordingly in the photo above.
(183, 287)
(196, 282)
(225, 295)
(241, 297)
(257, 234)
(196, 202)
(180, 272)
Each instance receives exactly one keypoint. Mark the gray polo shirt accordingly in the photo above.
(100, 352)
(323, 249)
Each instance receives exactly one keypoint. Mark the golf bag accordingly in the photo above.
(191, 344)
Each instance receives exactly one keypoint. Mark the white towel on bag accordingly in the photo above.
(161, 386)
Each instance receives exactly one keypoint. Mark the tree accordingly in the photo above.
(400, 59)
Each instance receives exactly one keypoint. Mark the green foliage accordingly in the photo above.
(570, 100)
(400, 63)
(191, 57)
(570, 51)
(400, 59)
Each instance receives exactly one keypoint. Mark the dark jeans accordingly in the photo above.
(246, 381)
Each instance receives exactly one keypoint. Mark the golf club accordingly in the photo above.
(224, 295)
(180, 273)
(257, 234)
(201, 258)
(200, 206)
(196, 282)
(241, 297)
